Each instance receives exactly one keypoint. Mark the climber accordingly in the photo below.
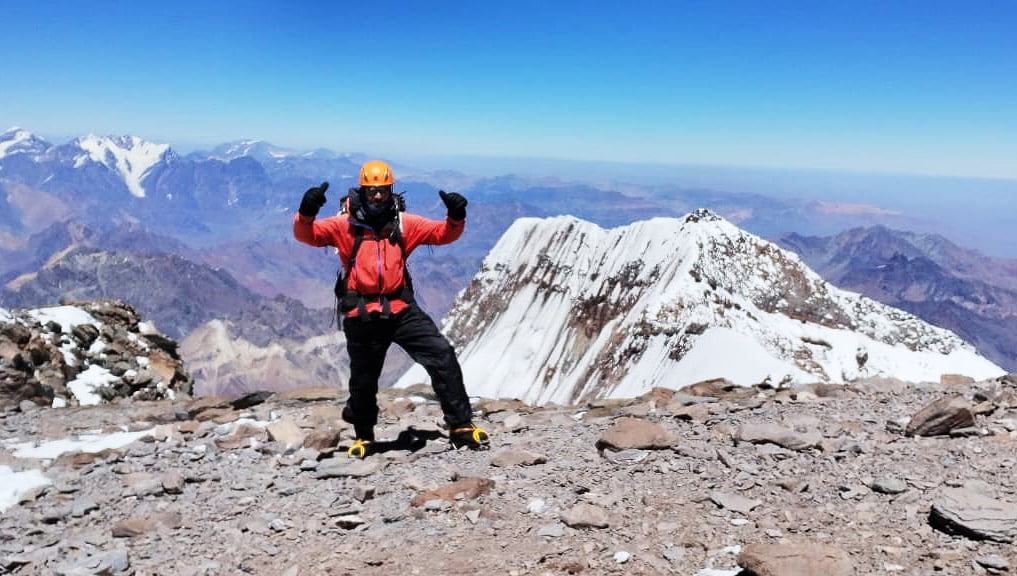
(374, 236)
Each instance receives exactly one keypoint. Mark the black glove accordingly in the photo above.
(455, 204)
(313, 200)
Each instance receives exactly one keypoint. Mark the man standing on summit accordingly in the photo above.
(374, 237)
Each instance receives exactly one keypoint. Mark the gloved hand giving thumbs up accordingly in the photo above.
(313, 200)
(455, 204)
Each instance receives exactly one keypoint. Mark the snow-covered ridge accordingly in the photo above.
(129, 156)
(258, 149)
(564, 311)
(18, 141)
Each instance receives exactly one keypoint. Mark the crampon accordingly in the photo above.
(360, 449)
(469, 437)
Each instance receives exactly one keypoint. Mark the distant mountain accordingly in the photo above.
(201, 199)
(247, 189)
(16, 141)
(962, 290)
(28, 255)
(257, 149)
(564, 311)
(129, 156)
(230, 209)
(178, 295)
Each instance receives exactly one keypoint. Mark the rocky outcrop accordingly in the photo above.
(82, 353)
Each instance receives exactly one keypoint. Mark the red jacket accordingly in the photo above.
(380, 263)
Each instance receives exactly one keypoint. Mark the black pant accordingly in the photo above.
(367, 343)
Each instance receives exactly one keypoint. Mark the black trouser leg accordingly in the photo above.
(366, 343)
(416, 333)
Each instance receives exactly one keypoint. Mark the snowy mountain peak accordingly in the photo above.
(565, 311)
(14, 133)
(18, 141)
(257, 149)
(129, 156)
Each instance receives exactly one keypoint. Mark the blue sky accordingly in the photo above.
(923, 87)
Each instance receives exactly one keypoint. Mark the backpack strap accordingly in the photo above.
(398, 237)
(344, 296)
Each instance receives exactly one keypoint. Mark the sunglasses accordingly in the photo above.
(372, 190)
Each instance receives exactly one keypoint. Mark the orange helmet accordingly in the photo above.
(376, 173)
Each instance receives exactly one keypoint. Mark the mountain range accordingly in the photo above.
(564, 311)
(207, 236)
(964, 291)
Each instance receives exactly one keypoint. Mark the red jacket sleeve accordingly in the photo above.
(331, 231)
(418, 230)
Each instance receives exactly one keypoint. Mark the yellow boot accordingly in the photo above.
(471, 437)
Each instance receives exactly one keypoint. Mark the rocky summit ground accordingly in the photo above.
(877, 477)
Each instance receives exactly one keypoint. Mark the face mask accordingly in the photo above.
(373, 211)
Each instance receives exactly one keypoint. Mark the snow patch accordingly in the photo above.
(66, 316)
(14, 485)
(86, 386)
(88, 443)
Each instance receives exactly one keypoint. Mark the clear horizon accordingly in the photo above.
(904, 87)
